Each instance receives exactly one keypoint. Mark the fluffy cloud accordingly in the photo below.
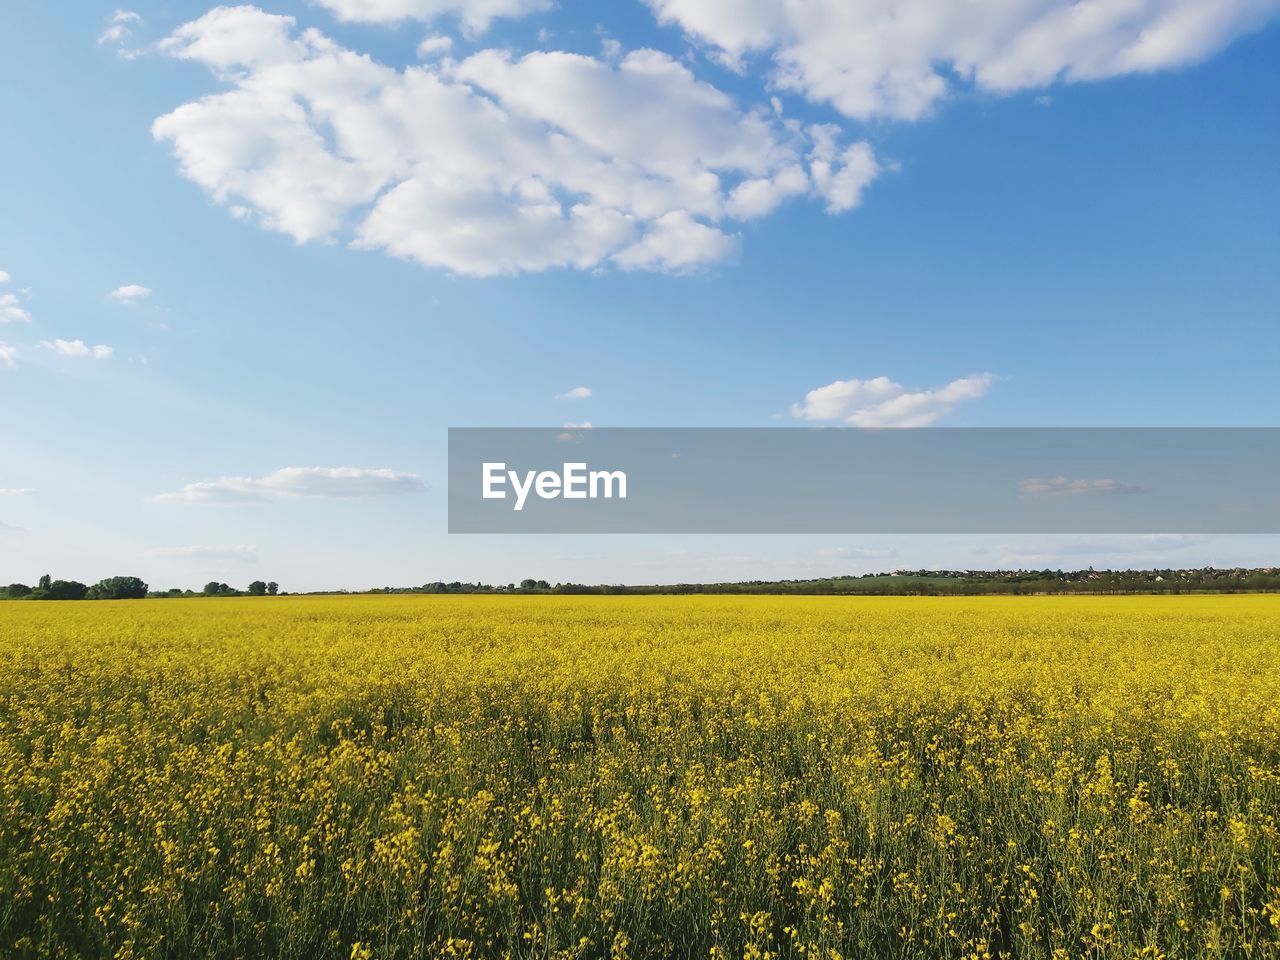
(8, 355)
(1064, 487)
(130, 293)
(78, 348)
(494, 164)
(577, 393)
(898, 58)
(881, 402)
(474, 14)
(437, 43)
(291, 482)
(241, 552)
(11, 310)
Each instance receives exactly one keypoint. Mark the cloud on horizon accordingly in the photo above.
(343, 483)
(1064, 487)
(241, 553)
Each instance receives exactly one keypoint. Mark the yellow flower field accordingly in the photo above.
(376, 777)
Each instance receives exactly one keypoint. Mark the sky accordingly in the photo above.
(255, 261)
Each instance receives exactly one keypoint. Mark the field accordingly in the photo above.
(641, 777)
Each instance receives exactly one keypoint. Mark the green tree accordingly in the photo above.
(118, 588)
(272, 588)
(212, 587)
(65, 590)
(528, 584)
(258, 589)
(45, 582)
(19, 590)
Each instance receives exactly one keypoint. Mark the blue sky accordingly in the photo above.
(706, 213)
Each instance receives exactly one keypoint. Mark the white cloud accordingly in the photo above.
(437, 43)
(8, 354)
(130, 293)
(119, 31)
(859, 553)
(16, 491)
(676, 242)
(880, 402)
(4, 277)
(1050, 549)
(290, 482)
(585, 425)
(78, 348)
(493, 164)
(475, 15)
(759, 197)
(840, 174)
(240, 552)
(1064, 487)
(898, 58)
(577, 393)
(11, 310)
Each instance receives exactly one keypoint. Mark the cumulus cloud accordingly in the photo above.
(898, 58)
(8, 354)
(493, 164)
(435, 44)
(130, 293)
(577, 393)
(78, 348)
(881, 402)
(11, 310)
(294, 482)
(840, 174)
(1064, 487)
(241, 552)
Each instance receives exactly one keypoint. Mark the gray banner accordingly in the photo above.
(847, 480)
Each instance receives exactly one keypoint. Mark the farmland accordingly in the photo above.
(641, 777)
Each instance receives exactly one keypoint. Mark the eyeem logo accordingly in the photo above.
(573, 482)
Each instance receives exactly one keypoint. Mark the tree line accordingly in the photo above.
(126, 588)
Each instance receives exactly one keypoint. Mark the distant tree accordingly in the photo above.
(543, 585)
(258, 588)
(272, 588)
(528, 584)
(65, 590)
(19, 590)
(118, 588)
(45, 582)
(212, 588)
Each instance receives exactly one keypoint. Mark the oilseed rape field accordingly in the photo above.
(641, 777)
